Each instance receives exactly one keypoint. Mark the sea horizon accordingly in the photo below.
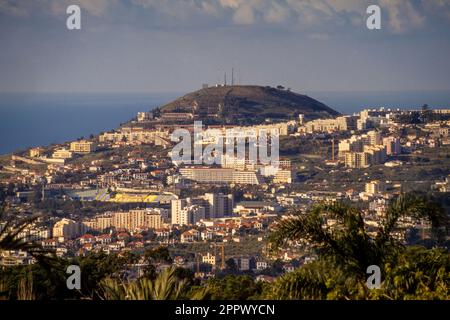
(39, 119)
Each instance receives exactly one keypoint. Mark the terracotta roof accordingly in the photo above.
(87, 236)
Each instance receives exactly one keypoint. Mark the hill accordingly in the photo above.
(248, 104)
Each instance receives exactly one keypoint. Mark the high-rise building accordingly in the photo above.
(68, 229)
(363, 150)
(220, 205)
(374, 138)
(356, 160)
(376, 154)
(392, 145)
(375, 187)
(208, 206)
(190, 215)
(176, 206)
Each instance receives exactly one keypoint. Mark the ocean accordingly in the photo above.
(28, 120)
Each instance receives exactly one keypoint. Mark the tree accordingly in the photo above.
(10, 189)
(166, 286)
(10, 231)
(158, 255)
(417, 273)
(10, 239)
(37, 194)
(231, 265)
(346, 249)
(233, 287)
(2, 195)
(95, 268)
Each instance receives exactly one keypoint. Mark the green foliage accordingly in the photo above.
(158, 255)
(418, 274)
(346, 250)
(45, 280)
(97, 266)
(9, 233)
(233, 288)
(231, 265)
(166, 286)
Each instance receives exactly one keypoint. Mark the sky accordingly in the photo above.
(149, 46)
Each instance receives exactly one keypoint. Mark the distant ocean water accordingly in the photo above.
(351, 102)
(28, 120)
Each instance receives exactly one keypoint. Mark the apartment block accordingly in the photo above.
(130, 220)
(221, 175)
(62, 154)
(83, 146)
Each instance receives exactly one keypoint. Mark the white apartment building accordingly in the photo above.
(83, 146)
(221, 175)
(375, 187)
(68, 229)
(62, 154)
(130, 220)
(190, 215)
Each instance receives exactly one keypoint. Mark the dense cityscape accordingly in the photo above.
(120, 194)
(205, 159)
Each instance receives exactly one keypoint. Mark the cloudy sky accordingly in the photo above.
(176, 45)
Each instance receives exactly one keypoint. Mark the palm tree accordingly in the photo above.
(346, 248)
(10, 238)
(166, 286)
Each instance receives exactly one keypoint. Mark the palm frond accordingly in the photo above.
(166, 286)
(10, 238)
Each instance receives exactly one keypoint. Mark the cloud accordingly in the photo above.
(244, 15)
(96, 7)
(399, 16)
(25, 8)
(22, 8)
(12, 8)
(402, 15)
(277, 13)
(440, 8)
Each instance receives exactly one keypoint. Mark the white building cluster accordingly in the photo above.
(362, 151)
(209, 206)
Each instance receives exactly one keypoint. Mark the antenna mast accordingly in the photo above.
(232, 76)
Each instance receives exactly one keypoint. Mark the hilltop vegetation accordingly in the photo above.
(248, 104)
